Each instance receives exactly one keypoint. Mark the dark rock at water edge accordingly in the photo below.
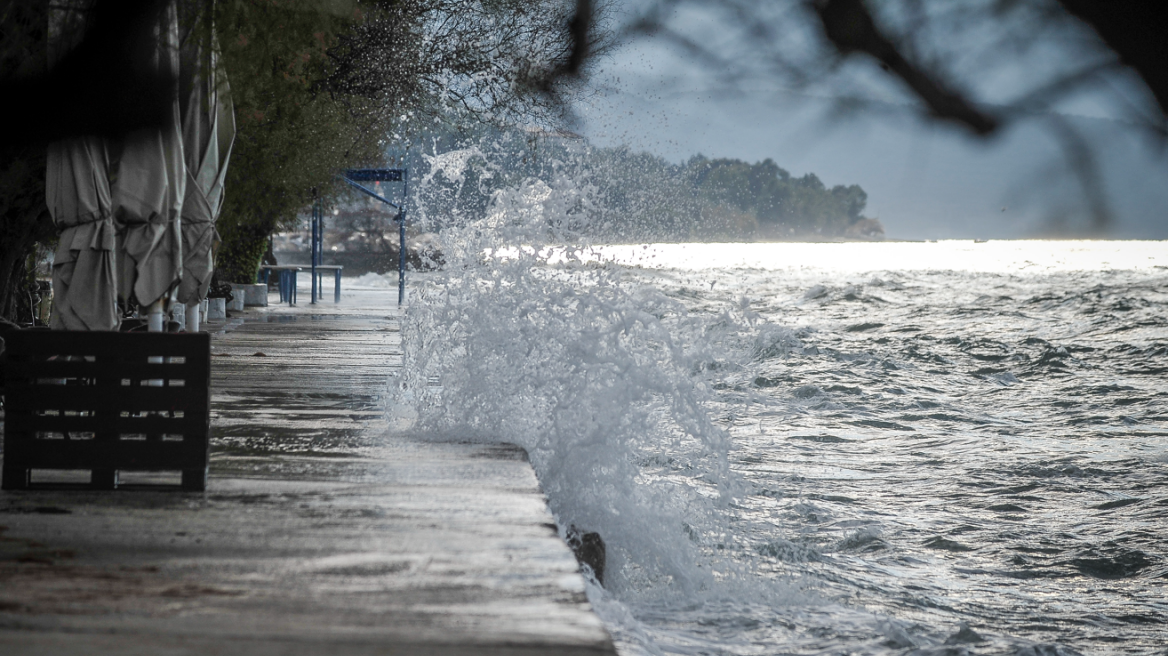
(589, 549)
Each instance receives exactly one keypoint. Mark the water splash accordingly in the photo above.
(583, 371)
(738, 428)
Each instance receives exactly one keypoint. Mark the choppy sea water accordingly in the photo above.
(887, 448)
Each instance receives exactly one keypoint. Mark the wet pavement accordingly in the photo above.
(319, 531)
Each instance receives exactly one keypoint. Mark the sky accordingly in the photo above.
(924, 180)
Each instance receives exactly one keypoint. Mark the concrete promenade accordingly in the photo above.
(320, 532)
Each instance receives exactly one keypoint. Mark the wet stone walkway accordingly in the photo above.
(319, 532)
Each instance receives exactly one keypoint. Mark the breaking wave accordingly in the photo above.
(784, 458)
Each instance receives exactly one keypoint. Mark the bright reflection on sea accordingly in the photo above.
(952, 255)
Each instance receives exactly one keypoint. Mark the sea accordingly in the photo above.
(949, 447)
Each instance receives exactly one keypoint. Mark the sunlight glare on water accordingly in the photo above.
(981, 257)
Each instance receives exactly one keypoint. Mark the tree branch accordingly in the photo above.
(851, 28)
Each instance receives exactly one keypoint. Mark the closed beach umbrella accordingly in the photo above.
(147, 193)
(208, 130)
(78, 195)
(77, 192)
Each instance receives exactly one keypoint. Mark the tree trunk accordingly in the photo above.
(15, 279)
(24, 219)
(9, 280)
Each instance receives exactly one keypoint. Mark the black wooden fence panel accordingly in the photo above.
(106, 402)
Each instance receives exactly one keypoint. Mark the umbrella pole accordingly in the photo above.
(155, 317)
(192, 317)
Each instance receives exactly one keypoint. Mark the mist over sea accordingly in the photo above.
(873, 448)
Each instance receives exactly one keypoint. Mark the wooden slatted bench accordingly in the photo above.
(106, 402)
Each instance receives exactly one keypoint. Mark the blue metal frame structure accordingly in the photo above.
(317, 243)
(355, 176)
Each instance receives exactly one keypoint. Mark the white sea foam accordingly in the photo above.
(372, 280)
(586, 374)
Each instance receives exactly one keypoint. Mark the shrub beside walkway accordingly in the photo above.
(319, 532)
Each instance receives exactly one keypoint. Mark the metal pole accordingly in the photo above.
(401, 251)
(316, 241)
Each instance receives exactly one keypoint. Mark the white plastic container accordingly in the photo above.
(238, 293)
(178, 312)
(216, 309)
(254, 295)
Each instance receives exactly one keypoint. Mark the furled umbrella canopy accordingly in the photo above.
(77, 192)
(147, 187)
(208, 130)
(78, 196)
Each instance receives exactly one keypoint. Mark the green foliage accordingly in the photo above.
(321, 86)
(23, 214)
(782, 204)
(240, 261)
(290, 137)
(24, 222)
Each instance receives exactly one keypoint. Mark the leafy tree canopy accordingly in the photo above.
(321, 86)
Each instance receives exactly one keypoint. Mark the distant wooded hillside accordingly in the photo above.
(635, 196)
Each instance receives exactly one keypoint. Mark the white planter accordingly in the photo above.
(216, 309)
(254, 295)
(237, 296)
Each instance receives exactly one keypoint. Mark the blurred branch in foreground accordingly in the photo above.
(981, 65)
